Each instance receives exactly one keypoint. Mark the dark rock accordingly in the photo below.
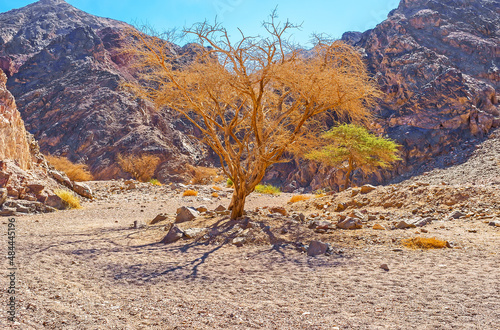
(350, 223)
(185, 214)
(316, 248)
(160, 217)
(173, 235)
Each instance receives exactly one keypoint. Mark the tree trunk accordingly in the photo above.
(237, 205)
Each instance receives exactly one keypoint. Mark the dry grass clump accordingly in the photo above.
(216, 188)
(201, 174)
(69, 199)
(155, 182)
(190, 192)
(424, 243)
(140, 167)
(214, 194)
(267, 189)
(298, 198)
(76, 172)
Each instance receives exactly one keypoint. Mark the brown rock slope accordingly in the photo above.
(437, 63)
(65, 71)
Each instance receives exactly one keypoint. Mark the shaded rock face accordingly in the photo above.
(437, 64)
(65, 70)
(13, 143)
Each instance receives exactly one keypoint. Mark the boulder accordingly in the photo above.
(160, 217)
(82, 189)
(316, 248)
(173, 235)
(185, 214)
(350, 223)
(55, 201)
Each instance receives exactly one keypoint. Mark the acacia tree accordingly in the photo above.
(354, 147)
(255, 98)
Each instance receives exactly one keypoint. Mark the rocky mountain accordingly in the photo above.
(65, 68)
(437, 63)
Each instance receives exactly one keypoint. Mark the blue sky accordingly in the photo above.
(317, 16)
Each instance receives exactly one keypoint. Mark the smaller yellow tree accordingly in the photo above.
(354, 147)
(141, 167)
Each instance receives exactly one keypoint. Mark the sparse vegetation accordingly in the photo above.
(201, 174)
(155, 182)
(216, 188)
(254, 99)
(424, 243)
(69, 198)
(229, 183)
(354, 147)
(75, 172)
(190, 192)
(298, 198)
(267, 189)
(140, 167)
(215, 195)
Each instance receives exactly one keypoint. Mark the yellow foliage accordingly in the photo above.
(216, 188)
(69, 199)
(75, 172)
(214, 194)
(298, 198)
(424, 243)
(140, 167)
(190, 192)
(201, 174)
(267, 189)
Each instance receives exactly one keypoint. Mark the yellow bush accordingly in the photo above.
(68, 198)
(214, 194)
(216, 188)
(201, 175)
(267, 189)
(190, 193)
(155, 182)
(76, 172)
(424, 243)
(140, 167)
(298, 198)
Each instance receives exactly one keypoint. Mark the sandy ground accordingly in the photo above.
(89, 269)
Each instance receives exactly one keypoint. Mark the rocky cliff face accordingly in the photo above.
(65, 70)
(437, 63)
(13, 143)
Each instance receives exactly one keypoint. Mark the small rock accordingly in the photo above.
(367, 188)
(35, 188)
(173, 235)
(3, 195)
(82, 189)
(7, 211)
(378, 227)
(316, 248)
(279, 209)
(202, 208)
(354, 192)
(422, 230)
(350, 223)
(321, 224)
(138, 224)
(185, 214)
(239, 241)
(55, 202)
(494, 223)
(385, 267)
(194, 232)
(340, 207)
(404, 225)
(220, 208)
(456, 215)
(160, 217)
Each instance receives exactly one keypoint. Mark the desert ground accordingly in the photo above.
(91, 268)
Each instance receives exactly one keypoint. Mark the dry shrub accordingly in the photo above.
(298, 198)
(214, 194)
(140, 167)
(190, 192)
(218, 178)
(267, 189)
(76, 172)
(216, 188)
(424, 243)
(201, 174)
(69, 199)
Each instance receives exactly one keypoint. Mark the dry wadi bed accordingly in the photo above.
(89, 269)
